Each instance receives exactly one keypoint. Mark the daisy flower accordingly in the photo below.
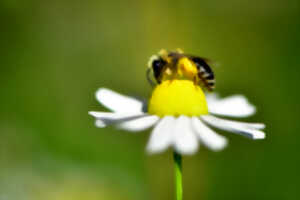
(179, 127)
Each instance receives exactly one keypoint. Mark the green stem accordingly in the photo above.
(178, 175)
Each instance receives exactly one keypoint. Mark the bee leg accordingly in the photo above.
(195, 80)
(173, 77)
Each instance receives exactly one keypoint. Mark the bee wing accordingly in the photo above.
(210, 62)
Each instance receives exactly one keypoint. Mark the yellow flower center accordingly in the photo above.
(177, 97)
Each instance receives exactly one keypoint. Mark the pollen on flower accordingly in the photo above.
(177, 97)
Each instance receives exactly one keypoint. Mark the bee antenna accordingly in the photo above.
(148, 73)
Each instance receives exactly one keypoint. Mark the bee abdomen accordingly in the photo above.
(205, 73)
(207, 80)
(209, 76)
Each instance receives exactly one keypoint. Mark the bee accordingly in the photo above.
(169, 65)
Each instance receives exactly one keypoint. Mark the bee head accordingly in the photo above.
(157, 64)
(171, 65)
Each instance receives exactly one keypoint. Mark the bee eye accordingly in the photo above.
(157, 66)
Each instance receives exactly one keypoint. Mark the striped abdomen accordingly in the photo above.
(205, 73)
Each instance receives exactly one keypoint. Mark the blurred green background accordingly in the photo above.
(54, 55)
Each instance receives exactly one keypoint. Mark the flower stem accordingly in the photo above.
(178, 175)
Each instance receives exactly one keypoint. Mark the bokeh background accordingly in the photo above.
(55, 54)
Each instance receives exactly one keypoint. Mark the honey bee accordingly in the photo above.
(169, 65)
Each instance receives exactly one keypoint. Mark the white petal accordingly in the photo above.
(244, 129)
(185, 140)
(119, 103)
(100, 124)
(237, 123)
(208, 137)
(161, 136)
(233, 106)
(106, 118)
(139, 124)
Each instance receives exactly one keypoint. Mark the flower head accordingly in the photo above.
(181, 131)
